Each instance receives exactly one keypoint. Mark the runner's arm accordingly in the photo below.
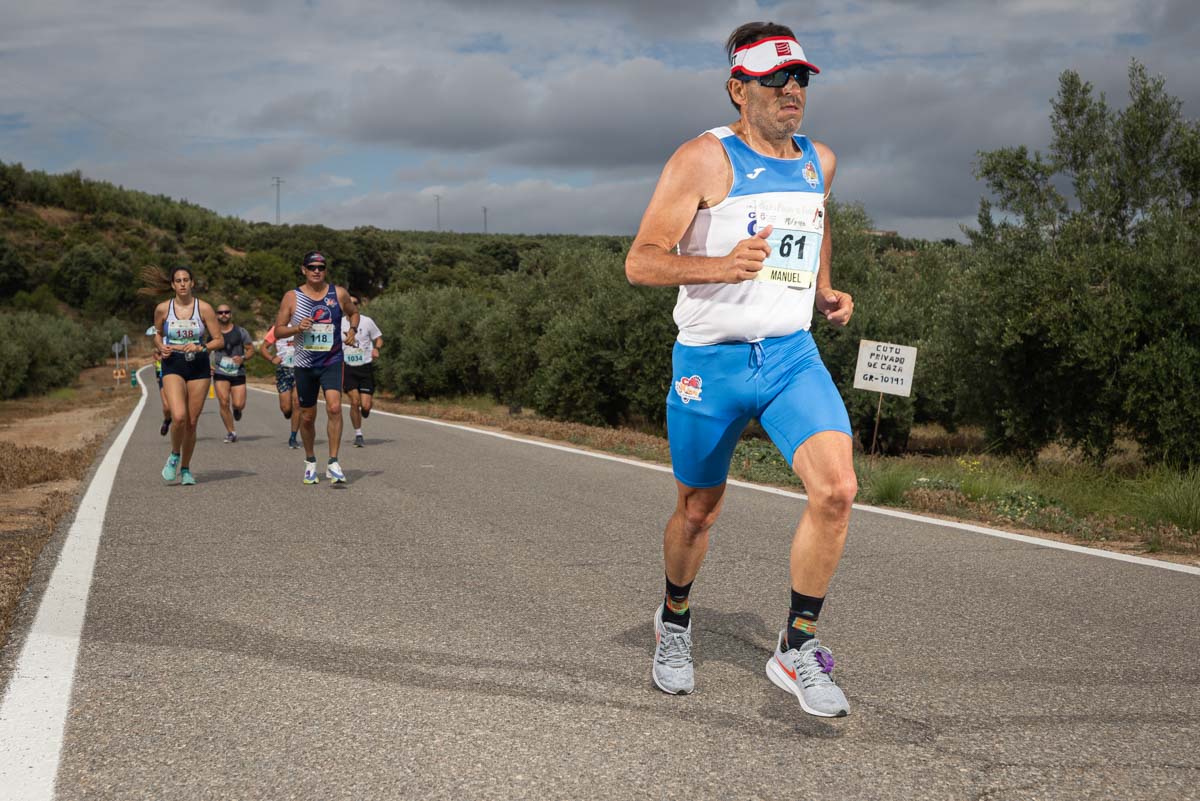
(161, 348)
(697, 176)
(350, 310)
(837, 306)
(287, 307)
(248, 351)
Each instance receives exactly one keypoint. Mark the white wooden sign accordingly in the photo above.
(884, 367)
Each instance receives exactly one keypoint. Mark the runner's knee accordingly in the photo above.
(698, 515)
(833, 498)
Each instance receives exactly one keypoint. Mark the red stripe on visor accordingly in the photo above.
(767, 55)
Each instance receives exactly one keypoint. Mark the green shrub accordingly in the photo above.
(430, 336)
(39, 352)
(884, 484)
(1171, 497)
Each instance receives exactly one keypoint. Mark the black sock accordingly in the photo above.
(312, 459)
(675, 604)
(802, 620)
(332, 459)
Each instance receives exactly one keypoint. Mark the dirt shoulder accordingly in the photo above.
(47, 445)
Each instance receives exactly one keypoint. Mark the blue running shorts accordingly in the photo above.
(717, 389)
(311, 381)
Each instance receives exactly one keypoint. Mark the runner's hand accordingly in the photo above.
(277, 360)
(348, 340)
(305, 324)
(238, 360)
(746, 258)
(836, 306)
(374, 353)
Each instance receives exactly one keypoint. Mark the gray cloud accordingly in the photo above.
(206, 101)
(533, 206)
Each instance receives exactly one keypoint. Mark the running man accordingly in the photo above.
(162, 396)
(745, 204)
(180, 327)
(285, 378)
(229, 371)
(314, 312)
(359, 379)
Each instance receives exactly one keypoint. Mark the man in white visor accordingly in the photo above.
(738, 223)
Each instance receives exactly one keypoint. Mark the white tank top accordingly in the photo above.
(786, 193)
(183, 331)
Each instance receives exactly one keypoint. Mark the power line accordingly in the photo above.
(276, 180)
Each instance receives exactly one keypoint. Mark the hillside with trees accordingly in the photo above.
(1071, 315)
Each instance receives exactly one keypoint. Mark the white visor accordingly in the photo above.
(767, 55)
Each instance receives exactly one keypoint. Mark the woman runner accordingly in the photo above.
(180, 326)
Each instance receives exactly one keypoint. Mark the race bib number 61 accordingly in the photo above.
(798, 228)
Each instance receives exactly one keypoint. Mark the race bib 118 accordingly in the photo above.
(319, 337)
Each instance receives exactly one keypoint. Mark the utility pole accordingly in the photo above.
(485, 219)
(277, 181)
(438, 200)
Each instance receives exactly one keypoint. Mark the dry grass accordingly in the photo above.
(983, 489)
(39, 481)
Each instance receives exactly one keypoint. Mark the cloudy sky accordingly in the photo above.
(556, 116)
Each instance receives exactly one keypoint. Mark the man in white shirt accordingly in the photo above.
(358, 382)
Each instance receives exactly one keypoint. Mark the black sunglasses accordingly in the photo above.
(779, 78)
(314, 266)
(224, 312)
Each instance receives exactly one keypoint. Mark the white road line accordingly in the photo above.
(34, 710)
(991, 532)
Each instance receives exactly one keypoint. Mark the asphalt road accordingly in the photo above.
(470, 618)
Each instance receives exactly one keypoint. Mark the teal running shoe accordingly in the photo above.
(186, 478)
(171, 468)
(673, 672)
(807, 673)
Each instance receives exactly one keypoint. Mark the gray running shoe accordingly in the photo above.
(230, 437)
(673, 672)
(171, 468)
(359, 441)
(807, 673)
